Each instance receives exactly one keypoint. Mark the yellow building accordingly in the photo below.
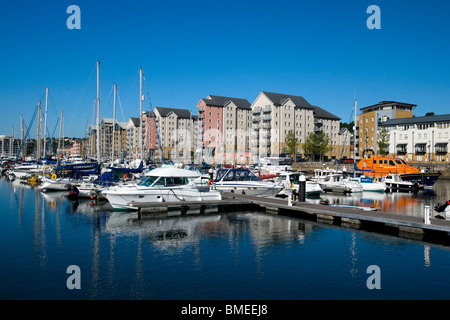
(371, 117)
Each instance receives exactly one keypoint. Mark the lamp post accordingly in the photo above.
(429, 154)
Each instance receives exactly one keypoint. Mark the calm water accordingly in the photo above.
(242, 255)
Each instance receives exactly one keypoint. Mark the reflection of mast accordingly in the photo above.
(354, 259)
(427, 251)
(138, 289)
(95, 263)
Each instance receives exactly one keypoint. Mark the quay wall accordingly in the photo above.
(309, 167)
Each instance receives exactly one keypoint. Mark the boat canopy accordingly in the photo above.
(173, 172)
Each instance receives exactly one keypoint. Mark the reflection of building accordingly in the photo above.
(371, 117)
(421, 139)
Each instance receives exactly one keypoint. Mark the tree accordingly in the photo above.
(317, 144)
(383, 141)
(291, 144)
(349, 126)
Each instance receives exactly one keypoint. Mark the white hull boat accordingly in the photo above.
(243, 181)
(165, 184)
(371, 184)
(337, 183)
(50, 184)
(394, 182)
(291, 181)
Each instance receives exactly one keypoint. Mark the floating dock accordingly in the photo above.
(437, 230)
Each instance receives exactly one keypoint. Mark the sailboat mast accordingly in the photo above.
(354, 131)
(114, 124)
(38, 140)
(141, 140)
(45, 123)
(98, 111)
(22, 135)
(60, 131)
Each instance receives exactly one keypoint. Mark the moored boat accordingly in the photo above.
(337, 183)
(164, 184)
(243, 181)
(291, 181)
(381, 166)
(394, 182)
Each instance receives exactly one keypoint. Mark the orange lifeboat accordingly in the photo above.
(380, 166)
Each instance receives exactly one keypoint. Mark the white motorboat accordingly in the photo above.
(394, 182)
(273, 165)
(165, 184)
(337, 183)
(291, 181)
(321, 174)
(370, 184)
(243, 181)
(22, 171)
(54, 184)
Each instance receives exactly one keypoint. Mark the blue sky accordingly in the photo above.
(321, 50)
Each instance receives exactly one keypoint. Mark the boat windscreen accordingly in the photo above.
(236, 175)
(148, 181)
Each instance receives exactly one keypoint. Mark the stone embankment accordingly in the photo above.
(309, 167)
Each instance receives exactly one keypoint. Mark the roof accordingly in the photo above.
(413, 120)
(321, 113)
(279, 99)
(220, 101)
(396, 103)
(181, 113)
(136, 121)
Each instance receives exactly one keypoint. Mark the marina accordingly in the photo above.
(246, 239)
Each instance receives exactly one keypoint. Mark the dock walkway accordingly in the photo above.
(400, 225)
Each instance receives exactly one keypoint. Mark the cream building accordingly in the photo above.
(419, 139)
(176, 133)
(274, 115)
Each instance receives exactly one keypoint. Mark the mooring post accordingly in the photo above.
(427, 214)
(302, 188)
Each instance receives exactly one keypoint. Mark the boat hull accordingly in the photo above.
(401, 187)
(251, 189)
(127, 198)
(426, 179)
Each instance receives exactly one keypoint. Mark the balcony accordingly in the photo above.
(441, 148)
(402, 149)
(421, 148)
(267, 109)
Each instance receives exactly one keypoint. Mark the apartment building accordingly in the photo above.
(9, 146)
(133, 145)
(176, 133)
(275, 114)
(150, 138)
(224, 126)
(372, 116)
(419, 139)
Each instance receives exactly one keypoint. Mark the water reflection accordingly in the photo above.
(398, 202)
(152, 257)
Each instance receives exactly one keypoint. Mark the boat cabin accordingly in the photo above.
(238, 174)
